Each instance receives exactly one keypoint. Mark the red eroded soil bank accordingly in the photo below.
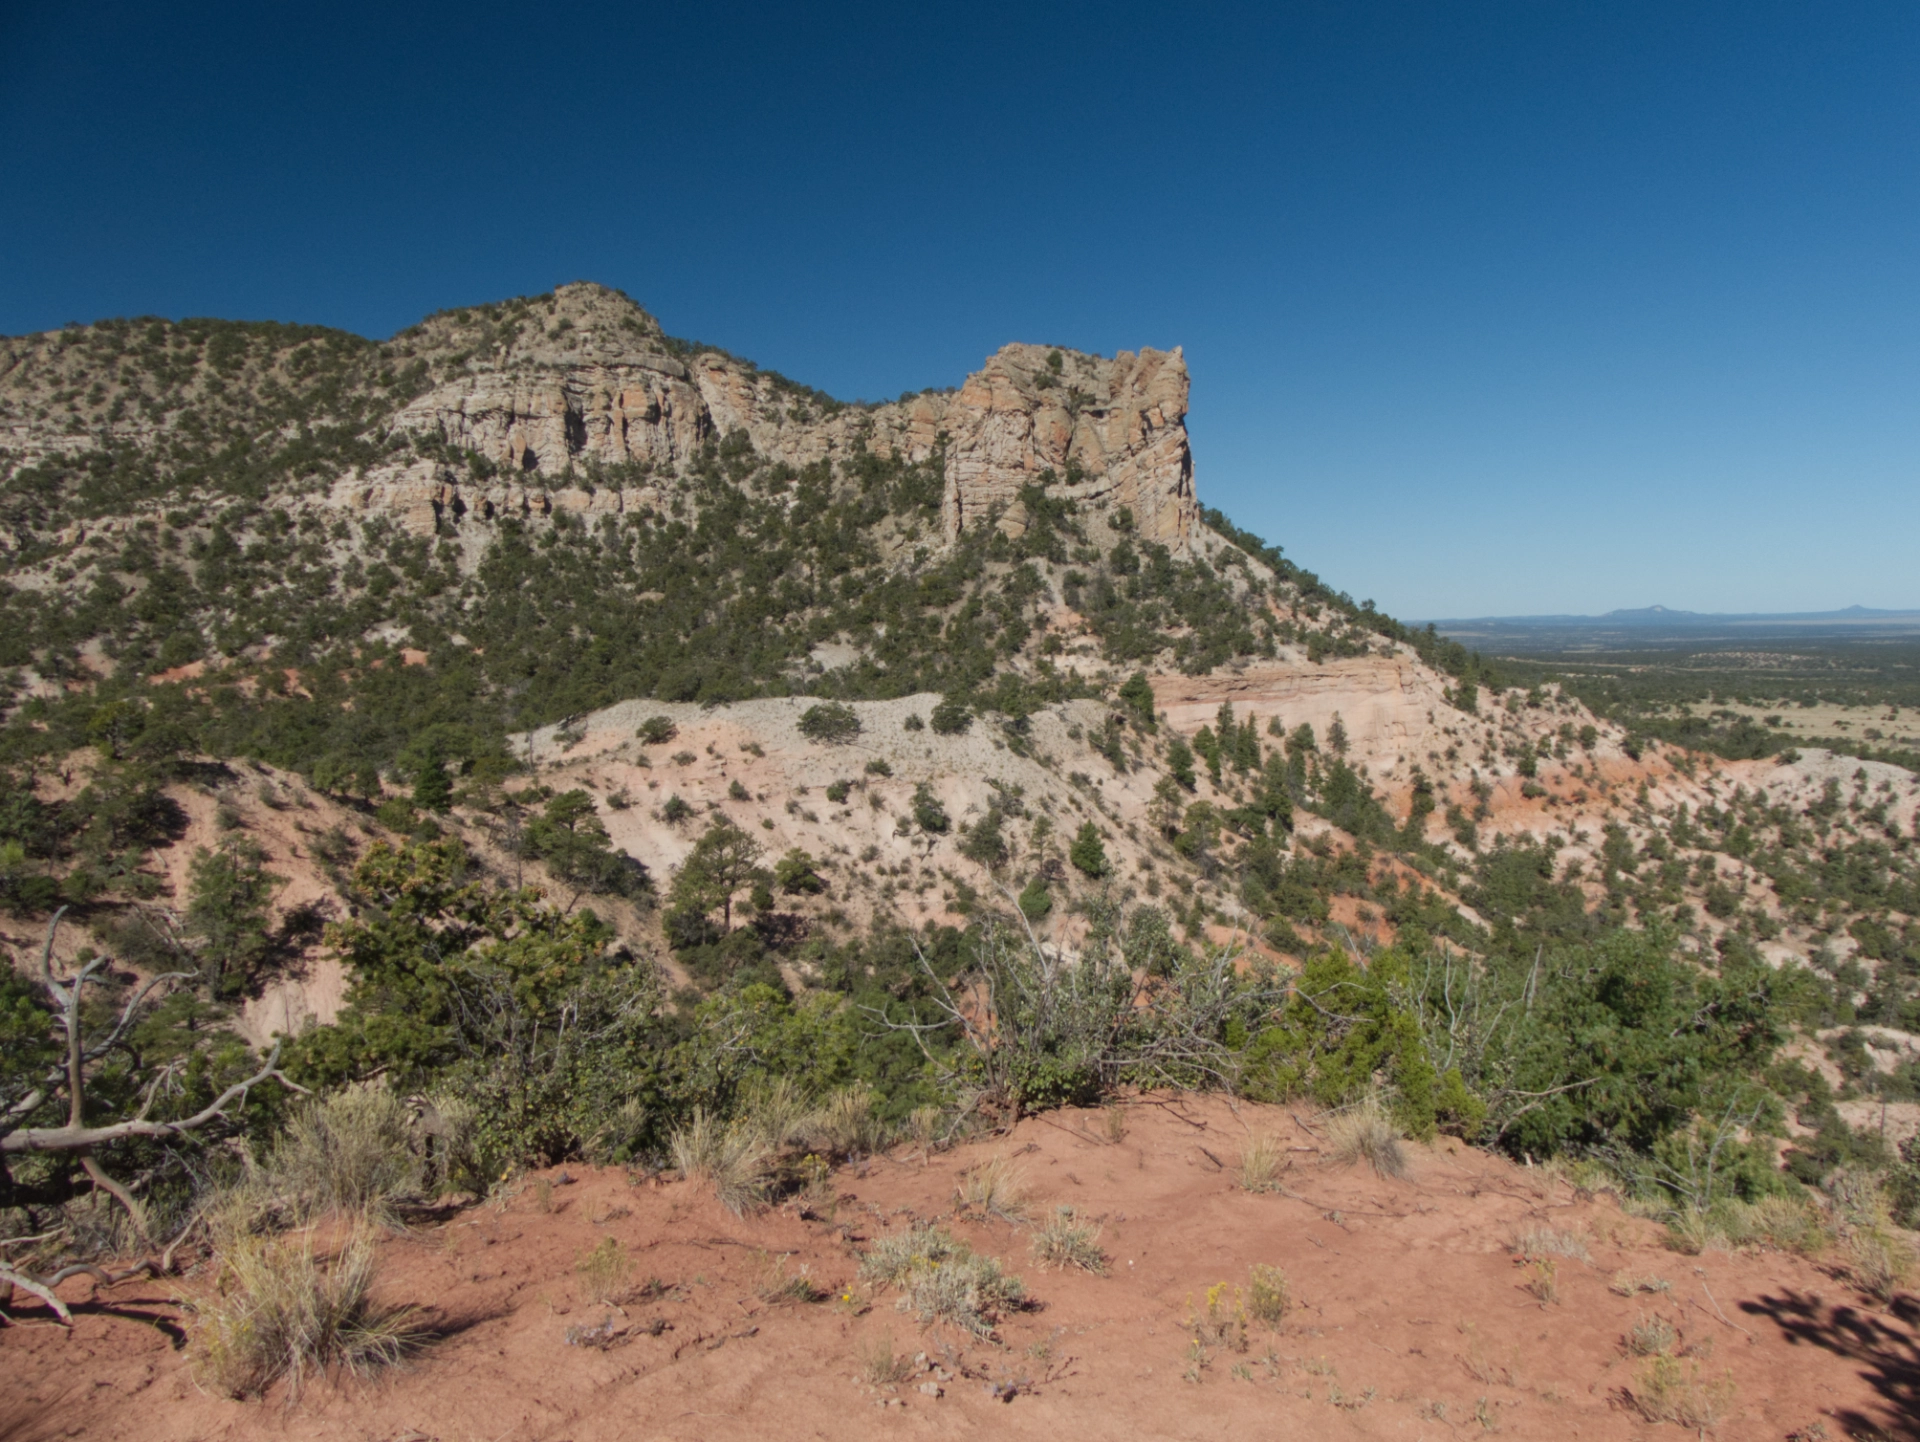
(1411, 1317)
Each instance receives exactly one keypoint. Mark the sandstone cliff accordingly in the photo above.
(599, 389)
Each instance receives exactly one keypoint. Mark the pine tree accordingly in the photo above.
(1087, 854)
(432, 788)
(1180, 763)
(1137, 694)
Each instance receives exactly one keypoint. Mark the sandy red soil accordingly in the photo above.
(1412, 1317)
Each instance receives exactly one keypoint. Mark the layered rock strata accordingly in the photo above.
(1104, 431)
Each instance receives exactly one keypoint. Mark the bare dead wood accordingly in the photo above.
(67, 996)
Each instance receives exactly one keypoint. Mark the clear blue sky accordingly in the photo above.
(1491, 308)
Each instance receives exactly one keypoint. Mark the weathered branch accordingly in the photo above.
(37, 1289)
(74, 1137)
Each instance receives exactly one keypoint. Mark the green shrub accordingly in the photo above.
(795, 874)
(928, 813)
(1087, 853)
(830, 722)
(951, 717)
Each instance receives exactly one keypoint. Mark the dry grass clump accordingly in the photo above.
(606, 1270)
(923, 1126)
(1788, 1224)
(1667, 1391)
(1652, 1336)
(1268, 1295)
(780, 1111)
(349, 1152)
(1625, 1284)
(941, 1279)
(780, 1288)
(1531, 1243)
(995, 1188)
(279, 1312)
(1260, 1164)
(1063, 1241)
(733, 1159)
(880, 1365)
(1364, 1132)
(1543, 1280)
(1878, 1262)
(844, 1125)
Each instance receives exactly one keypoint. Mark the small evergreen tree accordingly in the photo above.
(432, 787)
(1087, 853)
(951, 717)
(796, 874)
(928, 811)
(830, 723)
(1137, 695)
(985, 842)
(228, 892)
(1208, 745)
(1180, 763)
(723, 862)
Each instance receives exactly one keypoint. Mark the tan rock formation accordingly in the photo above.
(638, 408)
(1109, 430)
(585, 380)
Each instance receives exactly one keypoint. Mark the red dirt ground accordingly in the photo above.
(1412, 1319)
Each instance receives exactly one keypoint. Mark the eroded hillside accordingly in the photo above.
(592, 738)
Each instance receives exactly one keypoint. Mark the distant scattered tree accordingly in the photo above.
(229, 893)
(1180, 763)
(830, 722)
(1208, 745)
(572, 839)
(796, 875)
(1087, 853)
(724, 862)
(928, 811)
(951, 717)
(1137, 695)
(985, 842)
(657, 730)
(432, 788)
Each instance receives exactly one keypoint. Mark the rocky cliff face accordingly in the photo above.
(550, 391)
(1112, 430)
(604, 392)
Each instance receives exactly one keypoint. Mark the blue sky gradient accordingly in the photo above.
(1491, 308)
